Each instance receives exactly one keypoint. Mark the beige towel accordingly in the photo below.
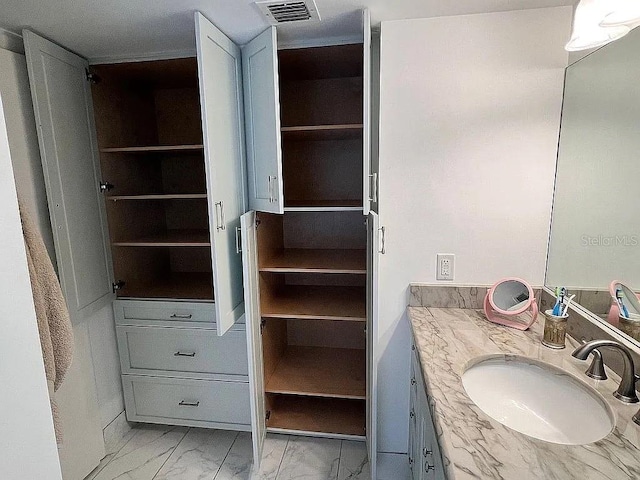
(54, 324)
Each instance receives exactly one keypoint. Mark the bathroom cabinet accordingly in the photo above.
(145, 177)
(310, 241)
(265, 322)
(425, 459)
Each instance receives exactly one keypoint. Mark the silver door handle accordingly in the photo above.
(238, 240)
(272, 197)
(184, 403)
(428, 466)
(185, 316)
(220, 225)
(185, 354)
(382, 240)
(373, 187)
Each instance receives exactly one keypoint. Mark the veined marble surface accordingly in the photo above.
(476, 446)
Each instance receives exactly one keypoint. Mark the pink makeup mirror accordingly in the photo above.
(511, 302)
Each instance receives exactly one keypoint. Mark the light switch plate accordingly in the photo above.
(445, 266)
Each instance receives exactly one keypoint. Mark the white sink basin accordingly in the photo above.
(538, 399)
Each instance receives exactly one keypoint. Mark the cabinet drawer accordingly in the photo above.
(172, 400)
(132, 311)
(153, 350)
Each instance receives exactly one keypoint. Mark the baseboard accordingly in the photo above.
(116, 433)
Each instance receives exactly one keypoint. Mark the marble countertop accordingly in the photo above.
(473, 444)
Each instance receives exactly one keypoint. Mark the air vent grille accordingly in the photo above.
(286, 12)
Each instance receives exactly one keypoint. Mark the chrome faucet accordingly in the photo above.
(626, 392)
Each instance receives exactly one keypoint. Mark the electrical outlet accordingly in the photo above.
(445, 266)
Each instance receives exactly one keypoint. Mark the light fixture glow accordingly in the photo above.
(622, 12)
(587, 29)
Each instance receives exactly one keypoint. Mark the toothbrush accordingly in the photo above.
(623, 307)
(557, 308)
(566, 308)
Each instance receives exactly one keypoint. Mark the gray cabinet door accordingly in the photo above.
(68, 149)
(220, 78)
(262, 117)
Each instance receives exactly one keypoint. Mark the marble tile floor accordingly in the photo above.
(158, 452)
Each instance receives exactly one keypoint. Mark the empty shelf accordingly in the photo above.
(168, 196)
(322, 205)
(311, 414)
(185, 286)
(170, 238)
(323, 132)
(316, 302)
(317, 261)
(320, 372)
(155, 149)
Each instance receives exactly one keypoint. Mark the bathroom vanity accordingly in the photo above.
(474, 445)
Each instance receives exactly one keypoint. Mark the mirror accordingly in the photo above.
(595, 228)
(507, 300)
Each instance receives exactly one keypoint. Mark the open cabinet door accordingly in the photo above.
(69, 153)
(254, 335)
(373, 250)
(262, 117)
(370, 177)
(220, 78)
(68, 149)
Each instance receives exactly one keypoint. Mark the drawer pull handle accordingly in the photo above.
(184, 403)
(184, 317)
(184, 354)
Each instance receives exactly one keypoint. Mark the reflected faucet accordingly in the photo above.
(626, 392)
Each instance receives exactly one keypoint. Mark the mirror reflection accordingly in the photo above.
(595, 230)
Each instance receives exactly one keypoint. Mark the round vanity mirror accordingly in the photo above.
(507, 300)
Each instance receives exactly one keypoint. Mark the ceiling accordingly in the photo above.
(100, 29)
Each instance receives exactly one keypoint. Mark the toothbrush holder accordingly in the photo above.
(555, 330)
(630, 326)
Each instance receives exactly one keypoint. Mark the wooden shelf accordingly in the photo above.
(155, 149)
(170, 238)
(169, 196)
(320, 372)
(316, 302)
(323, 205)
(323, 132)
(317, 261)
(183, 286)
(311, 414)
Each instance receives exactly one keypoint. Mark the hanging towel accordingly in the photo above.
(54, 324)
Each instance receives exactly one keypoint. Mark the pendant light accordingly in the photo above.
(587, 30)
(622, 13)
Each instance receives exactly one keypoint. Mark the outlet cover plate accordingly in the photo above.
(445, 266)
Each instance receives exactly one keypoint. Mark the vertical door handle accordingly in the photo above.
(220, 225)
(382, 240)
(373, 187)
(272, 196)
(238, 240)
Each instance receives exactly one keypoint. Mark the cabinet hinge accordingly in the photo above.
(91, 77)
(118, 285)
(268, 415)
(106, 186)
(258, 222)
(263, 322)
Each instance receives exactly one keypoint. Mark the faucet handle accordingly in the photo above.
(596, 369)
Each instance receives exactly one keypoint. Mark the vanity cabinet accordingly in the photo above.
(310, 241)
(425, 459)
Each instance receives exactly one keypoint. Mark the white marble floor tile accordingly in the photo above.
(354, 461)
(310, 459)
(144, 454)
(199, 455)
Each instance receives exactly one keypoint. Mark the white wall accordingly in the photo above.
(595, 237)
(470, 112)
(28, 440)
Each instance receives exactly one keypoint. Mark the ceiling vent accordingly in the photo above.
(287, 12)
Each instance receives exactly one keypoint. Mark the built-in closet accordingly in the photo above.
(308, 244)
(265, 322)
